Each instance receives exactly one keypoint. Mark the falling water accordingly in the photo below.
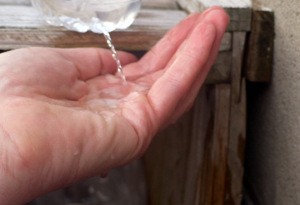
(110, 44)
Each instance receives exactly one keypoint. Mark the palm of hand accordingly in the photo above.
(58, 99)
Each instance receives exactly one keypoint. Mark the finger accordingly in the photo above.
(61, 72)
(220, 19)
(188, 63)
(158, 57)
(91, 62)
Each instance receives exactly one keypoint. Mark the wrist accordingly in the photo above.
(14, 183)
(8, 185)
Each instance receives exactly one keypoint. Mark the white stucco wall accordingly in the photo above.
(273, 147)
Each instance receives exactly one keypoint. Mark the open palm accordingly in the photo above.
(65, 116)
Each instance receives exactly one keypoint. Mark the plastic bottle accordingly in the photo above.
(98, 16)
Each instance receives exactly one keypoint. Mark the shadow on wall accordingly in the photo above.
(254, 190)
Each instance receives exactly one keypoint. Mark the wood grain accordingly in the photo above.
(25, 28)
(193, 148)
(15, 2)
(239, 40)
(212, 175)
(236, 148)
(261, 47)
(22, 26)
(160, 4)
(240, 17)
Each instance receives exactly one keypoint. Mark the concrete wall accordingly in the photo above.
(273, 146)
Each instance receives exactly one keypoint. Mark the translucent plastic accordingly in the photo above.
(122, 186)
(99, 16)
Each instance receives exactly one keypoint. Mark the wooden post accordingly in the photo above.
(261, 47)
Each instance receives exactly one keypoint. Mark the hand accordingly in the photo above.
(65, 116)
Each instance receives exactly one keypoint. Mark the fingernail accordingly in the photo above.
(209, 29)
(213, 8)
(207, 11)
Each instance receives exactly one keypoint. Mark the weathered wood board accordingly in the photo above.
(15, 2)
(200, 5)
(22, 26)
(261, 47)
(186, 162)
(236, 148)
(239, 11)
(160, 4)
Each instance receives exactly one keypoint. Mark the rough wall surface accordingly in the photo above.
(273, 149)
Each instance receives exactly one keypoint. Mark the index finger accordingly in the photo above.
(91, 62)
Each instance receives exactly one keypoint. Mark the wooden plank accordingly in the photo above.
(200, 5)
(193, 148)
(238, 10)
(220, 144)
(160, 4)
(226, 44)
(28, 17)
(15, 2)
(136, 38)
(202, 123)
(221, 70)
(236, 149)
(239, 39)
(22, 26)
(165, 163)
(212, 174)
(261, 47)
(235, 164)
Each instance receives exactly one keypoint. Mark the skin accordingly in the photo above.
(65, 116)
